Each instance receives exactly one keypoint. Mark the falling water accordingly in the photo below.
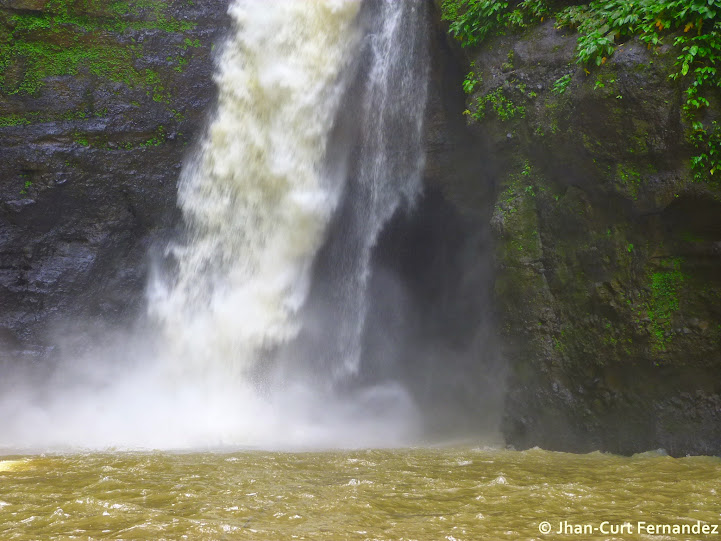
(387, 173)
(258, 199)
(385, 119)
(255, 200)
(272, 185)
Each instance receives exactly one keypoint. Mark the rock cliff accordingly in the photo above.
(607, 249)
(99, 101)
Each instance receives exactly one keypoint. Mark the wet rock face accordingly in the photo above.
(607, 266)
(99, 103)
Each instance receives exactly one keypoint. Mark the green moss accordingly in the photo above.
(26, 186)
(81, 139)
(42, 60)
(14, 120)
(195, 43)
(639, 140)
(665, 288)
(36, 117)
(508, 64)
(99, 141)
(65, 39)
(180, 62)
(516, 204)
(158, 139)
(629, 180)
(553, 107)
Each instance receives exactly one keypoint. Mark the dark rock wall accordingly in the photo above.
(447, 258)
(607, 251)
(99, 103)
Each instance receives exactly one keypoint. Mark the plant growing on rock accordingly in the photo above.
(474, 20)
(561, 84)
(68, 37)
(603, 25)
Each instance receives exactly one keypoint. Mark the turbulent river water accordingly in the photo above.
(466, 494)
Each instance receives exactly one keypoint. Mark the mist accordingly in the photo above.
(284, 315)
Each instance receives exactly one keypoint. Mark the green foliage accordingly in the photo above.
(526, 171)
(600, 83)
(26, 186)
(561, 84)
(471, 82)
(497, 101)
(604, 24)
(699, 60)
(708, 145)
(601, 24)
(471, 21)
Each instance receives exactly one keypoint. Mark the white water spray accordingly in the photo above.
(389, 166)
(257, 199)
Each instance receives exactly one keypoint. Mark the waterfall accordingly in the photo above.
(275, 203)
(391, 158)
(385, 175)
(255, 198)
(258, 200)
